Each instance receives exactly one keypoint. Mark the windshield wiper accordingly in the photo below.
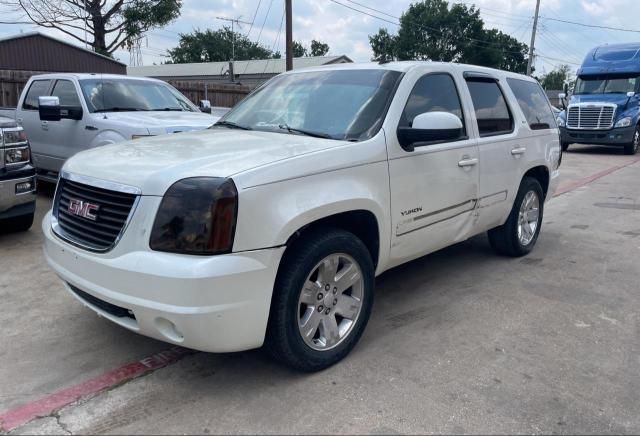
(121, 109)
(232, 125)
(169, 109)
(305, 132)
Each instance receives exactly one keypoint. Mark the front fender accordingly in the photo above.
(106, 137)
(268, 215)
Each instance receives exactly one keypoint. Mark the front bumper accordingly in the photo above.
(619, 136)
(208, 303)
(12, 204)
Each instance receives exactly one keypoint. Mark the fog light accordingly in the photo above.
(24, 187)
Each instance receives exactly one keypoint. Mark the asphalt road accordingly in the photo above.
(461, 341)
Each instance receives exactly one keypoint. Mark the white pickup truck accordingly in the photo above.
(270, 227)
(90, 110)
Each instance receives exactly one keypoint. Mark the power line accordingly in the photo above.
(276, 42)
(373, 9)
(595, 26)
(254, 17)
(558, 60)
(264, 21)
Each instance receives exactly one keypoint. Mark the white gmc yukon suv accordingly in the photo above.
(270, 227)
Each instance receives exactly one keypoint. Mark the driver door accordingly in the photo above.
(434, 188)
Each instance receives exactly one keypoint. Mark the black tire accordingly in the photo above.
(17, 224)
(565, 146)
(284, 341)
(632, 148)
(504, 239)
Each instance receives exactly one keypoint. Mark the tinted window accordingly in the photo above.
(491, 108)
(534, 104)
(66, 92)
(432, 93)
(37, 89)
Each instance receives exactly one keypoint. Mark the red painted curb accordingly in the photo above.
(45, 406)
(582, 182)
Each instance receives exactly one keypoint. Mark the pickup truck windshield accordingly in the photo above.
(113, 95)
(605, 85)
(347, 104)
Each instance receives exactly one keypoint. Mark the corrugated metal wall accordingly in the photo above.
(39, 53)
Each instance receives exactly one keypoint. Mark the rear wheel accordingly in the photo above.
(20, 223)
(632, 148)
(519, 234)
(322, 300)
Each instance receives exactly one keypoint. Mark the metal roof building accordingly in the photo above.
(39, 52)
(245, 72)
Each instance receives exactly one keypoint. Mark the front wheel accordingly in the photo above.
(632, 148)
(322, 300)
(518, 235)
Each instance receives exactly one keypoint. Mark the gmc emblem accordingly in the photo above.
(83, 209)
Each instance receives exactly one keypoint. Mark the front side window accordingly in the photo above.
(534, 104)
(125, 95)
(66, 92)
(492, 113)
(37, 89)
(605, 85)
(342, 104)
(432, 93)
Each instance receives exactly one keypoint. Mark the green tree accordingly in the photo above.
(556, 79)
(431, 30)
(107, 24)
(217, 46)
(299, 50)
(319, 48)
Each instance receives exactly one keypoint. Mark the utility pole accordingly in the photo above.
(289, 14)
(533, 39)
(233, 21)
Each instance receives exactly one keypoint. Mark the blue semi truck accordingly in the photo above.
(604, 108)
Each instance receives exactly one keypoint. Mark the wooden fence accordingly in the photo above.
(220, 94)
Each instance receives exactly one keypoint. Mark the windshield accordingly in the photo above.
(347, 104)
(605, 85)
(113, 95)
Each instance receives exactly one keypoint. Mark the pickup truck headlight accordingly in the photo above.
(560, 121)
(196, 216)
(624, 122)
(17, 155)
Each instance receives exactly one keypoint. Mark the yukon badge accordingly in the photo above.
(83, 209)
(411, 211)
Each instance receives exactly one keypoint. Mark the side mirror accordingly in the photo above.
(565, 88)
(630, 94)
(49, 108)
(430, 127)
(562, 96)
(205, 106)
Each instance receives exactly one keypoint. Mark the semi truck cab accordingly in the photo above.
(604, 108)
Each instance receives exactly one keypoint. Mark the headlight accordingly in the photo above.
(14, 137)
(624, 122)
(196, 216)
(16, 156)
(560, 121)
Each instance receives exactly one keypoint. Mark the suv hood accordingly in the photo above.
(154, 164)
(161, 122)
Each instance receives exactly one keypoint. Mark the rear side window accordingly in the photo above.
(37, 89)
(534, 104)
(492, 112)
(432, 93)
(66, 92)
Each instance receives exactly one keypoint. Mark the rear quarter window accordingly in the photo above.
(534, 104)
(37, 89)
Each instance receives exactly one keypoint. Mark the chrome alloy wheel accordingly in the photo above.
(330, 302)
(528, 218)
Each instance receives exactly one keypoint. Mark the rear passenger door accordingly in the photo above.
(434, 187)
(501, 147)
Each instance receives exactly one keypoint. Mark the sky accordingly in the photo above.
(346, 30)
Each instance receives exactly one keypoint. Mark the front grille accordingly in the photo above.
(117, 311)
(592, 117)
(111, 215)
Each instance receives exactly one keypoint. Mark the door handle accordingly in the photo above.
(468, 162)
(518, 151)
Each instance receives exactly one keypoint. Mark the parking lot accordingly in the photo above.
(459, 341)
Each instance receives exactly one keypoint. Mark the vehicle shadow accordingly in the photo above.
(595, 149)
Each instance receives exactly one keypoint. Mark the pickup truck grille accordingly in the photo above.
(91, 217)
(591, 117)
